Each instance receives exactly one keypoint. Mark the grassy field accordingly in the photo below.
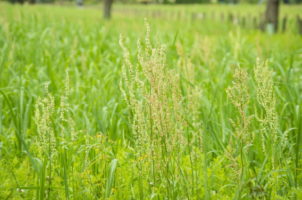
(167, 107)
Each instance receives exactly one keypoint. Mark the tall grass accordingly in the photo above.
(146, 109)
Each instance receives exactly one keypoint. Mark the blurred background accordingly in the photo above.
(256, 14)
(155, 1)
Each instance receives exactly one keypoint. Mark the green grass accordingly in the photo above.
(200, 120)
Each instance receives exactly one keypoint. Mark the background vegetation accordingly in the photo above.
(89, 2)
(182, 105)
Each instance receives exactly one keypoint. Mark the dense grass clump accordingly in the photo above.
(147, 109)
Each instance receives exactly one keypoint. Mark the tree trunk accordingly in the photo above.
(272, 14)
(107, 8)
(79, 3)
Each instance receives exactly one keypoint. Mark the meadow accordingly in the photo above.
(148, 105)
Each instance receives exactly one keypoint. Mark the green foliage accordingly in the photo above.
(178, 109)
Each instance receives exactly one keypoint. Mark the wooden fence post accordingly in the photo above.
(222, 17)
(255, 23)
(231, 17)
(284, 21)
(299, 23)
(243, 22)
